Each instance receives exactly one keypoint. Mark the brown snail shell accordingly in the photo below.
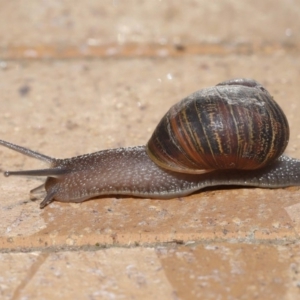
(234, 125)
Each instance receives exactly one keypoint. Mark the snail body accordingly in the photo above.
(202, 141)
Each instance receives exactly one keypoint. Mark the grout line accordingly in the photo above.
(170, 244)
(147, 50)
(29, 275)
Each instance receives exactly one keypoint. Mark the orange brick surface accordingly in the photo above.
(81, 76)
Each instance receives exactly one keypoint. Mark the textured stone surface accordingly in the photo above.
(232, 243)
(133, 28)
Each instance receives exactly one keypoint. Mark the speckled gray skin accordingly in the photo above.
(143, 178)
(130, 171)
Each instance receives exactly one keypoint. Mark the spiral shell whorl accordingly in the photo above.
(234, 125)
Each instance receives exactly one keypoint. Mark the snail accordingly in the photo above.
(231, 134)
